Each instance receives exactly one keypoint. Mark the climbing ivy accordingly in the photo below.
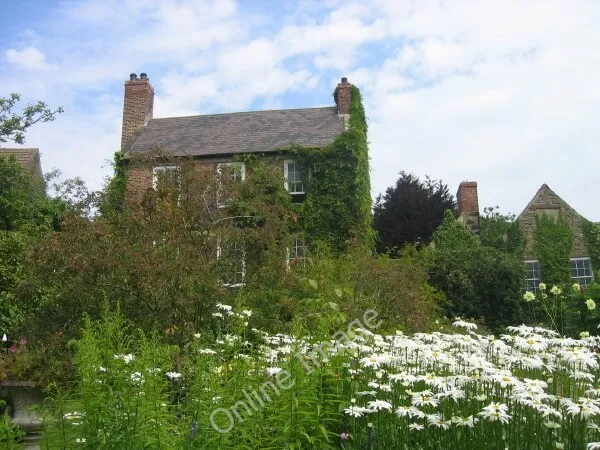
(591, 237)
(553, 244)
(501, 231)
(337, 207)
(112, 198)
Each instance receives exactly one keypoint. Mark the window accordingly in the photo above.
(233, 172)
(532, 270)
(297, 254)
(232, 263)
(581, 271)
(166, 178)
(293, 177)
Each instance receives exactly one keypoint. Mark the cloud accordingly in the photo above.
(29, 58)
(501, 93)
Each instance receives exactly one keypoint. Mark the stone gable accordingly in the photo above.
(546, 201)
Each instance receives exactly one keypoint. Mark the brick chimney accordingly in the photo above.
(468, 205)
(137, 107)
(343, 95)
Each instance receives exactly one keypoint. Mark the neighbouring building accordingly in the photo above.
(28, 158)
(547, 202)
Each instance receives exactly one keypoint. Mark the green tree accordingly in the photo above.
(166, 260)
(479, 281)
(410, 211)
(13, 125)
(26, 215)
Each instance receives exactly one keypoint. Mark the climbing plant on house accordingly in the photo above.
(553, 244)
(591, 237)
(337, 207)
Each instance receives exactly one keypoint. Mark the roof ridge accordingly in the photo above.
(245, 112)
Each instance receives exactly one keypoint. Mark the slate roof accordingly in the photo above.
(29, 158)
(243, 132)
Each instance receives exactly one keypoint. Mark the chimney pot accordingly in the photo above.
(143, 76)
(344, 80)
(132, 76)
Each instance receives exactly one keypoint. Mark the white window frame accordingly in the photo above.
(536, 280)
(241, 165)
(243, 268)
(582, 280)
(158, 169)
(299, 261)
(286, 175)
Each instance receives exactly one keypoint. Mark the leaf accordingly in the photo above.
(313, 284)
(338, 292)
(334, 306)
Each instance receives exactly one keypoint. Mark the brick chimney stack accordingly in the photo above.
(343, 96)
(468, 205)
(137, 107)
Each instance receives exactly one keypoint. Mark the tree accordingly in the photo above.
(23, 202)
(478, 280)
(410, 211)
(14, 125)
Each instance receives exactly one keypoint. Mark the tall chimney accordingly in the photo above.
(137, 107)
(343, 96)
(468, 205)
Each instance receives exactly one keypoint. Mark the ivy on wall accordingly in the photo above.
(553, 244)
(591, 237)
(337, 207)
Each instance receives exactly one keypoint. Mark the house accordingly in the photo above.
(544, 202)
(216, 141)
(28, 158)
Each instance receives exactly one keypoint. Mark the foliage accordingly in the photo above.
(501, 232)
(336, 288)
(23, 202)
(479, 281)
(244, 388)
(10, 435)
(591, 237)
(552, 245)
(570, 311)
(158, 259)
(14, 125)
(410, 211)
(451, 234)
(337, 207)
(112, 198)
(26, 215)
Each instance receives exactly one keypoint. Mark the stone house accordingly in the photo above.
(29, 158)
(547, 202)
(214, 140)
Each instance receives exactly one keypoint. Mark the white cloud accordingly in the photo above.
(28, 58)
(504, 93)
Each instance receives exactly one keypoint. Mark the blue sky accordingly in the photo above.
(502, 93)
